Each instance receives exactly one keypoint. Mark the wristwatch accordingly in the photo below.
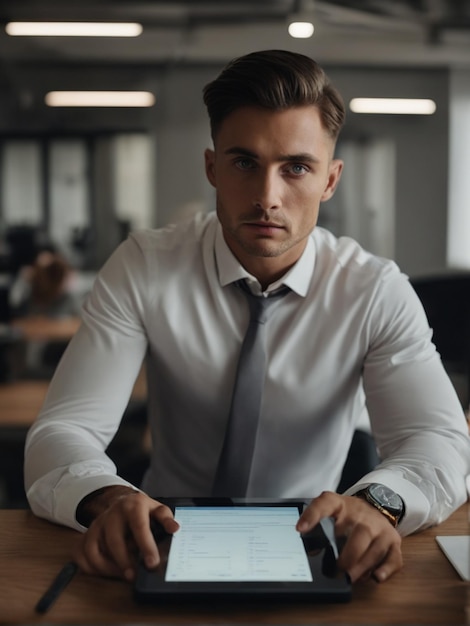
(384, 500)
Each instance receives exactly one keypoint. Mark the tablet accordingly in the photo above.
(230, 548)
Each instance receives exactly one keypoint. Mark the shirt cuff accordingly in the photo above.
(59, 504)
(417, 507)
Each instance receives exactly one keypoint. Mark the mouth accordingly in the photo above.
(264, 229)
(265, 225)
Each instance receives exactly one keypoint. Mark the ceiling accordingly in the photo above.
(428, 33)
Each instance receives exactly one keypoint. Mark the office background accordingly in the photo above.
(87, 175)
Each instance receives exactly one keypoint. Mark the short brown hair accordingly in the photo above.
(275, 80)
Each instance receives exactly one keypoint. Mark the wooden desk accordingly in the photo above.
(41, 328)
(426, 591)
(21, 400)
(36, 345)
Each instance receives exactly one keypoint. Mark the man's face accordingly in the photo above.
(271, 170)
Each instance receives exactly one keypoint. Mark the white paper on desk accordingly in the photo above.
(457, 550)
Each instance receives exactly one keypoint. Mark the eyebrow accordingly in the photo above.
(292, 158)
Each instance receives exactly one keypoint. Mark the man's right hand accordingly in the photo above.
(120, 530)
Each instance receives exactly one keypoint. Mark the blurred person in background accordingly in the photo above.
(45, 287)
(43, 292)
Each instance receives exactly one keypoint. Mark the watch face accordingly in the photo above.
(386, 498)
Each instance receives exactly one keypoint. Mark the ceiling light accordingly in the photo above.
(300, 23)
(73, 29)
(301, 30)
(400, 106)
(100, 99)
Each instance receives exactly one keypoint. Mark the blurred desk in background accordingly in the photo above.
(36, 346)
(21, 400)
(41, 328)
(20, 403)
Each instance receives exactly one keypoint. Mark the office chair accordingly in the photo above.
(446, 301)
(127, 449)
(362, 458)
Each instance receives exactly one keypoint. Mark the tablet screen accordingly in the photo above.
(227, 544)
(228, 549)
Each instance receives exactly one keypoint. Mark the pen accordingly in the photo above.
(58, 585)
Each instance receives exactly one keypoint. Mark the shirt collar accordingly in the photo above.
(297, 278)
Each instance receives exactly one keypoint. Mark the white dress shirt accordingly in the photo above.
(350, 337)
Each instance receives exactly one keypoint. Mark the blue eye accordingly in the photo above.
(244, 163)
(298, 169)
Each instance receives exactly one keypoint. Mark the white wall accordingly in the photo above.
(182, 134)
(421, 166)
(21, 189)
(365, 200)
(69, 192)
(459, 171)
(133, 179)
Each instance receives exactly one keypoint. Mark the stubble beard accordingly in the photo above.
(262, 247)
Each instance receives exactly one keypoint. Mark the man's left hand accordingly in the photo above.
(373, 545)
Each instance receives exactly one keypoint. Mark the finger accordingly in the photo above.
(365, 554)
(164, 515)
(142, 534)
(328, 504)
(118, 546)
(92, 559)
(391, 564)
(362, 553)
(359, 538)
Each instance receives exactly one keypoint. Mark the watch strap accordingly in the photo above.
(393, 519)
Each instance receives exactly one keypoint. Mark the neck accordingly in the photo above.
(265, 270)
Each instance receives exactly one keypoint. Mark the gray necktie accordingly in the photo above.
(233, 471)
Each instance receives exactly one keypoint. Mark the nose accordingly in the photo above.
(267, 190)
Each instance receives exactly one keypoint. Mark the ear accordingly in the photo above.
(209, 158)
(334, 174)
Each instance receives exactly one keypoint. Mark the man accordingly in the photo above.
(349, 335)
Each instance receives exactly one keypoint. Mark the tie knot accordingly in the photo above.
(261, 307)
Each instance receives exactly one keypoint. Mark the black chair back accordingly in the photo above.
(446, 300)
